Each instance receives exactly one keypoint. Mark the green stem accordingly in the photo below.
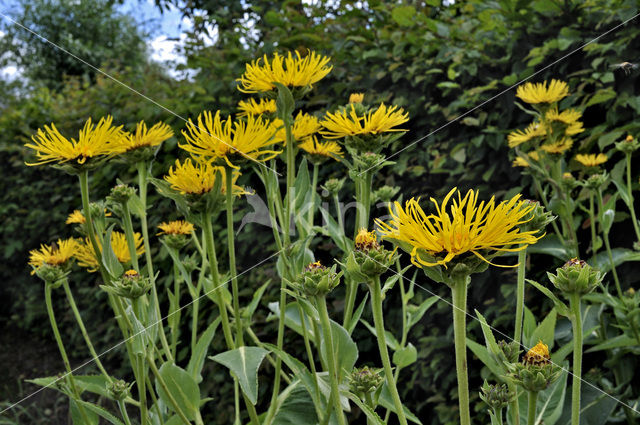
(63, 352)
(378, 319)
(632, 209)
(515, 406)
(307, 345)
(140, 375)
(543, 197)
(253, 414)
(167, 391)
(232, 257)
(531, 411)
(142, 187)
(128, 231)
(175, 314)
(194, 322)
(314, 185)
(336, 201)
(83, 330)
(522, 260)
(215, 277)
(592, 225)
(607, 245)
(498, 415)
(84, 191)
(459, 296)
(366, 201)
(576, 322)
(123, 411)
(331, 358)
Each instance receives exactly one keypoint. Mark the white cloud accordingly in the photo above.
(164, 49)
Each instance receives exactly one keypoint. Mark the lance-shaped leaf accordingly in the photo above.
(244, 363)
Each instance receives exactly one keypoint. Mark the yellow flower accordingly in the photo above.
(251, 107)
(217, 140)
(356, 97)
(86, 256)
(197, 178)
(327, 149)
(289, 71)
(76, 217)
(468, 228)
(591, 160)
(569, 118)
(304, 125)
(540, 93)
(629, 138)
(558, 147)
(93, 141)
(56, 254)
(144, 137)
(177, 227)
(365, 240)
(538, 355)
(518, 137)
(520, 161)
(347, 122)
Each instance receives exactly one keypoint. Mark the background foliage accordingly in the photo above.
(437, 61)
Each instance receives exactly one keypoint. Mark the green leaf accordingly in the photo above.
(551, 401)
(285, 103)
(486, 358)
(617, 342)
(355, 318)
(135, 206)
(403, 15)
(78, 418)
(332, 229)
(414, 314)
(109, 259)
(346, 350)
(100, 411)
(196, 362)
(620, 255)
(294, 406)
(606, 220)
(549, 245)
(182, 387)
(372, 416)
(489, 339)
(561, 307)
(244, 362)
(291, 318)
(405, 356)
(386, 401)
(601, 96)
(545, 330)
(96, 384)
(255, 301)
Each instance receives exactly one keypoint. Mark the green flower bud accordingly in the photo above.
(496, 396)
(52, 274)
(97, 211)
(628, 145)
(569, 182)
(596, 181)
(538, 218)
(367, 160)
(576, 276)
(364, 380)
(317, 280)
(536, 372)
(118, 390)
(131, 285)
(509, 352)
(121, 193)
(385, 193)
(176, 241)
(333, 186)
(369, 259)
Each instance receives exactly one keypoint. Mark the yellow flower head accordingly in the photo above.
(356, 97)
(469, 227)
(591, 160)
(94, 141)
(558, 147)
(305, 125)
(216, 140)
(365, 240)
(325, 149)
(144, 136)
(538, 355)
(56, 254)
(290, 71)
(520, 161)
(131, 273)
(191, 178)
(518, 137)
(540, 93)
(177, 227)
(347, 122)
(253, 107)
(629, 138)
(86, 256)
(76, 217)
(569, 118)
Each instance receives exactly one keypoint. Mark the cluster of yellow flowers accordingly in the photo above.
(552, 132)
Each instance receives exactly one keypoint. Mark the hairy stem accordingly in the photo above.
(459, 295)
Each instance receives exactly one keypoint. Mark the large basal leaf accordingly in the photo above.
(244, 362)
(183, 389)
